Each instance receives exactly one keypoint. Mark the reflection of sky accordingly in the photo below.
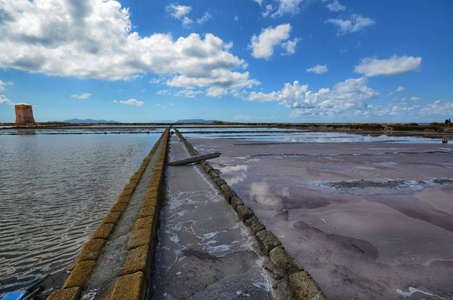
(235, 174)
(308, 137)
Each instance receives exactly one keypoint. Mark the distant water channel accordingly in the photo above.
(54, 191)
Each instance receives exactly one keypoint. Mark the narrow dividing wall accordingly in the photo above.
(133, 281)
(300, 282)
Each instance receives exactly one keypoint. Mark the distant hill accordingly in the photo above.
(89, 121)
(194, 121)
(163, 121)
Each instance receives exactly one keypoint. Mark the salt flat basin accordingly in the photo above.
(368, 220)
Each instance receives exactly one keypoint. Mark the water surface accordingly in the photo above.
(54, 192)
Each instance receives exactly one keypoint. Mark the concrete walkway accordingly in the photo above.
(204, 251)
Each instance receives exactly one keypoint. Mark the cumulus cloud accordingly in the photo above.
(400, 89)
(318, 69)
(81, 96)
(263, 45)
(393, 66)
(3, 84)
(343, 98)
(413, 98)
(335, 6)
(356, 23)
(130, 102)
(4, 100)
(94, 39)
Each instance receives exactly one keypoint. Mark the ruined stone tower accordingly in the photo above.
(24, 114)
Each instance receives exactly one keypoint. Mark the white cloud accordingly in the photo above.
(335, 6)
(343, 98)
(269, 9)
(3, 84)
(438, 108)
(216, 92)
(204, 18)
(290, 46)
(93, 39)
(356, 23)
(163, 92)
(236, 18)
(393, 66)
(130, 102)
(400, 89)
(415, 98)
(81, 96)
(287, 7)
(179, 11)
(263, 45)
(318, 69)
(188, 93)
(4, 100)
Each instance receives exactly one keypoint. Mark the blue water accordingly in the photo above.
(54, 192)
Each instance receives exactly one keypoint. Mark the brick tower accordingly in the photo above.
(24, 114)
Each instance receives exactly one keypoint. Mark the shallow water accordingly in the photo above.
(367, 220)
(54, 191)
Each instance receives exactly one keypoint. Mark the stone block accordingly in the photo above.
(229, 194)
(112, 217)
(103, 231)
(225, 187)
(283, 260)
(144, 223)
(267, 240)
(136, 260)
(65, 294)
(119, 207)
(219, 181)
(79, 275)
(91, 250)
(147, 211)
(255, 224)
(139, 238)
(235, 201)
(304, 286)
(129, 287)
(124, 199)
(150, 201)
(244, 212)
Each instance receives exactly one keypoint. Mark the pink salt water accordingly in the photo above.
(368, 220)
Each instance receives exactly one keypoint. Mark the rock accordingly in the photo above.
(267, 240)
(255, 224)
(283, 260)
(244, 212)
(235, 201)
(304, 286)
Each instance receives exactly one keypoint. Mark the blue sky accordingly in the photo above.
(235, 60)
